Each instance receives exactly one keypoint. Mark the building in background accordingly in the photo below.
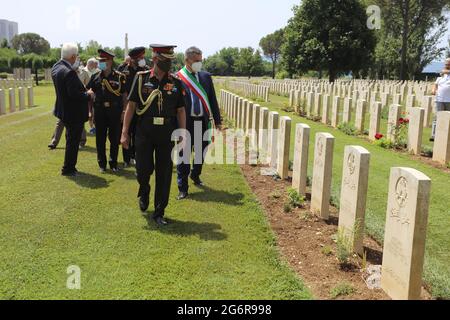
(8, 29)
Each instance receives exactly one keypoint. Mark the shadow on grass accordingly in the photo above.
(129, 174)
(210, 195)
(206, 231)
(89, 181)
(88, 149)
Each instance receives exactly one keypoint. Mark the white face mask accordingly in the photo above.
(197, 66)
(76, 64)
(142, 63)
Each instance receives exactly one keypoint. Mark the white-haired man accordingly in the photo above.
(71, 106)
(442, 92)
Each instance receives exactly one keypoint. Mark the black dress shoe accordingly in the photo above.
(160, 221)
(182, 195)
(51, 147)
(102, 170)
(431, 139)
(69, 173)
(197, 181)
(144, 202)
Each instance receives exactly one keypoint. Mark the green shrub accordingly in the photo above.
(385, 143)
(344, 250)
(3, 75)
(348, 129)
(341, 290)
(427, 152)
(295, 199)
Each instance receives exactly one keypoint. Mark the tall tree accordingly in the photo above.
(416, 27)
(271, 46)
(249, 63)
(26, 43)
(327, 35)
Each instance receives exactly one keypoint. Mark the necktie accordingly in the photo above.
(196, 104)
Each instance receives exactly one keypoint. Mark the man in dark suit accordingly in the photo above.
(71, 105)
(202, 114)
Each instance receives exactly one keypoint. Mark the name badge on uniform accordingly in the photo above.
(107, 104)
(158, 121)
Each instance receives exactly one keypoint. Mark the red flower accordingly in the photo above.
(406, 120)
(379, 136)
(401, 121)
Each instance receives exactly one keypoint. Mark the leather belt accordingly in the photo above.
(160, 121)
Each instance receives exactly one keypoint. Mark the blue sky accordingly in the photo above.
(210, 25)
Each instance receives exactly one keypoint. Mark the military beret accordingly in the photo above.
(136, 52)
(105, 55)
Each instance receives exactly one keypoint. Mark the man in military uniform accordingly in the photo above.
(109, 88)
(136, 63)
(157, 99)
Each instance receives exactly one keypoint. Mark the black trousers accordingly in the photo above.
(154, 155)
(185, 169)
(108, 125)
(73, 138)
(130, 153)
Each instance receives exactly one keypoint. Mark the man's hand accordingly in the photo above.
(125, 140)
(91, 94)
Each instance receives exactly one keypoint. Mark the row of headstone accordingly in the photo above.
(407, 207)
(15, 83)
(299, 100)
(409, 93)
(22, 73)
(319, 105)
(10, 95)
(246, 89)
(268, 134)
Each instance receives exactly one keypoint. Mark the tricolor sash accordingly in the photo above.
(195, 86)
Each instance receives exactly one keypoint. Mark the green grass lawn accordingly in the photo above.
(437, 265)
(219, 246)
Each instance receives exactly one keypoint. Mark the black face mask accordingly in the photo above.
(164, 66)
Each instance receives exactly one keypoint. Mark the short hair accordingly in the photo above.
(92, 60)
(68, 50)
(192, 51)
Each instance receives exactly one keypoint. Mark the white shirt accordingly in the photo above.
(443, 92)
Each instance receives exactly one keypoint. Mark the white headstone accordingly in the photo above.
(352, 211)
(405, 233)
(323, 167)
(300, 170)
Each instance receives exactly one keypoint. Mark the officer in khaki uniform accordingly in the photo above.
(157, 100)
(110, 100)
